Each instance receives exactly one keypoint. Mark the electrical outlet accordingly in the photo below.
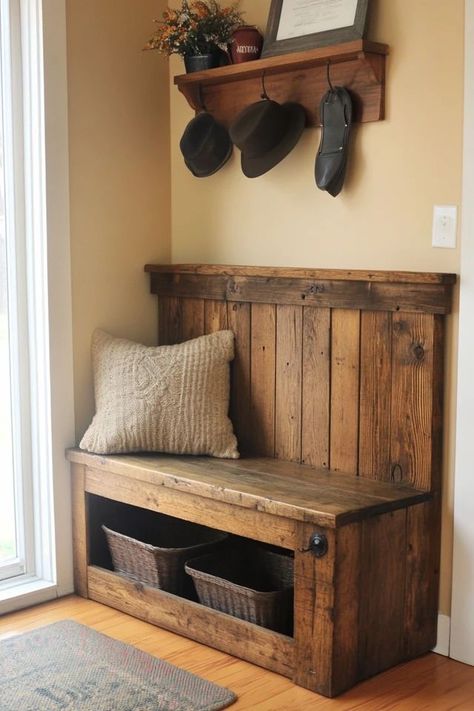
(445, 224)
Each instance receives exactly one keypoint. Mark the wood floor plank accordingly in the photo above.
(431, 683)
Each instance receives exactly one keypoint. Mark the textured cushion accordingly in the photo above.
(168, 399)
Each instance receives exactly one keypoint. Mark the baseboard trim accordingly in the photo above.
(444, 632)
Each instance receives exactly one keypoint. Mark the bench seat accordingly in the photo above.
(285, 489)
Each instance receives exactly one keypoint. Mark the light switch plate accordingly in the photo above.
(445, 225)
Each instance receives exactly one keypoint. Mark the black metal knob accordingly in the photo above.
(318, 545)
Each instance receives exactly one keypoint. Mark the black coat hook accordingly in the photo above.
(264, 94)
(328, 75)
(202, 105)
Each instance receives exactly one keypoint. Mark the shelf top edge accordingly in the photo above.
(218, 270)
(338, 52)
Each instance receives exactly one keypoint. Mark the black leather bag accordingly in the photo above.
(336, 121)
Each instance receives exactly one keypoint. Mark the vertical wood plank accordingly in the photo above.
(314, 620)
(169, 320)
(79, 529)
(375, 395)
(326, 611)
(238, 319)
(422, 584)
(412, 401)
(382, 585)
(438, 384)
(215, 316)
(289, 327)
(346, 611)
(192, 318)
(262, 396)
(345, 358)
(316, 386)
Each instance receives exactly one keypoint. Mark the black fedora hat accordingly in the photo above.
(205, 145)
(266, 132)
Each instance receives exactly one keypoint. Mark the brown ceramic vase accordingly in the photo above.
(246, 45)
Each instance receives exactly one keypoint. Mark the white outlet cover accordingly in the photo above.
(445, 225)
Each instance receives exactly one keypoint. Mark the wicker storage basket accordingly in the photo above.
(252, 583)
(153, 550)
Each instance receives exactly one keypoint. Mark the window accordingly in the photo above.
(34, 249)
(9, 563)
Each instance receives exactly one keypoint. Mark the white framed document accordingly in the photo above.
(296, 25)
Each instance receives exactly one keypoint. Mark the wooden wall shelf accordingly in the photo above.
(301, 77)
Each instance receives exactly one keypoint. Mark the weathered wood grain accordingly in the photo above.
(215, 316)
(288, 382)
(316, 386)
(422, 577)
(326, 611)
(169, 320)
(192, 319)
(348, 586)
(244, 521)
(238, 318)
(281, 489)
(314, 606)
(412, 400)
(80, 529)
(375, 395)
(345, 363)
(255, 644)
(262, 389)
(437, 385)
(304, 273)
(331, 293)
(382, 592)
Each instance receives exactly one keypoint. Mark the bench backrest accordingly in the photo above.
(341, 370)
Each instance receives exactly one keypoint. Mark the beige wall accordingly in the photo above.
(401, 167)
(119, 174)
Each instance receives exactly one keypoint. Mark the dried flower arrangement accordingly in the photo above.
(197, 28)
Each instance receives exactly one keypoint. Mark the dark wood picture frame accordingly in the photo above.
(274, 47)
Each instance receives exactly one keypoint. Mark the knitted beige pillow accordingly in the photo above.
(171, 399)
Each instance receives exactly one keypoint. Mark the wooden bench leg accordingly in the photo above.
(326, 611)
(80, 529)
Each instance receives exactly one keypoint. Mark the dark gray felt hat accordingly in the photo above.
(266, 132)
(205, 145)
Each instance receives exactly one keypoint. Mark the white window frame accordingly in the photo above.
(45, 261)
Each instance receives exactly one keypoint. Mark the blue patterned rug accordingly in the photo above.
(69, 667)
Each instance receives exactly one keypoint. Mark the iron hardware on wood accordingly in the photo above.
(318, 545)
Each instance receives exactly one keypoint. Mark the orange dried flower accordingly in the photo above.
(198, 27)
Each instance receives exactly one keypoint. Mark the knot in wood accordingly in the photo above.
(418, 351)
(399, 327)
(397, 473)
(316, 289)
(233, 287)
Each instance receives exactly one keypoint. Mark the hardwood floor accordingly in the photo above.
(432, 683)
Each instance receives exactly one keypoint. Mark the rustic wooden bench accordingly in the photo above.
(337, 403)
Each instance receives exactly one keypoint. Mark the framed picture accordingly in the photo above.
(296, 25)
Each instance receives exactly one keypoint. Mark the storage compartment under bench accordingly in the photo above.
(237, 576)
